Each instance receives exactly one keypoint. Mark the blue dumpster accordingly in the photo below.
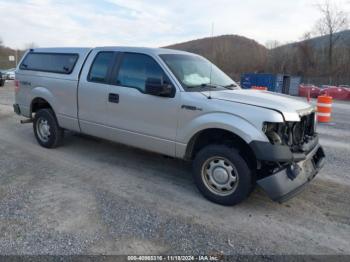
(279, 83)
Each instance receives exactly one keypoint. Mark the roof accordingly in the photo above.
(144, 50)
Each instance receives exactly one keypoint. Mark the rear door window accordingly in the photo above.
(100, 67)
(50, 62)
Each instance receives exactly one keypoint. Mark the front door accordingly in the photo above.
(93, 93)
(137, 118)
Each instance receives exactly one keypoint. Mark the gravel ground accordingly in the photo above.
(95, 197)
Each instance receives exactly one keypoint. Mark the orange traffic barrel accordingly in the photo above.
(324, 108)
(259, 88)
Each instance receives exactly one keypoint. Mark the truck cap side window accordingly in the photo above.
(100, 66)
(60, 63)
(135, 69)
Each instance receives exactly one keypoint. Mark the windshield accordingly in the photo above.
(194, 71)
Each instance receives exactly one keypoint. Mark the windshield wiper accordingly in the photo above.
(229, 86)
(214, 86)
(209, 85)
(203, 86)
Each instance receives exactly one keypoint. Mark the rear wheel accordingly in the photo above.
(222, 175)
(46, 129)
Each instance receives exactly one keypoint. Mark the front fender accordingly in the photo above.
(239, 126)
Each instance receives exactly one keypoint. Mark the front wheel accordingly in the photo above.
(222, 175)
(46, 129)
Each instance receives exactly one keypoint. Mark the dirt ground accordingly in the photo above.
(91, 196)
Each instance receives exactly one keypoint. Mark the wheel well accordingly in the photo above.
(220, 136)
(39, 103)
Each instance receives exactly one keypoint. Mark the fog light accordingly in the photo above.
(293, 171)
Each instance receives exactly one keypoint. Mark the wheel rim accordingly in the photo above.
(220, 176)
(43, 129)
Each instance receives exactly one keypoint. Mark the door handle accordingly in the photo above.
(113, 98)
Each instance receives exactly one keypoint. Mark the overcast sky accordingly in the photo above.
(152, 22)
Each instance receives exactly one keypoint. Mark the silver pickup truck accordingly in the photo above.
(176, 104)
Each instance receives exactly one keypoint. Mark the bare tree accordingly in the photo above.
(278, 60)
(272, 44)
(333, 20)
(306, 55)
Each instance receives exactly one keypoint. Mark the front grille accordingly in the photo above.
(303, 129)
(296, 134)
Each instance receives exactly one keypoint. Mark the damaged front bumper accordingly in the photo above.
(289, 181)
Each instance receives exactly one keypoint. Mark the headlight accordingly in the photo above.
(272, 131)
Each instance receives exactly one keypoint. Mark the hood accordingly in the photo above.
(291, 108)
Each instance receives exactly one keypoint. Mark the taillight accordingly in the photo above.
(16, 86)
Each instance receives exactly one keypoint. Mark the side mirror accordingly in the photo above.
(157, 87)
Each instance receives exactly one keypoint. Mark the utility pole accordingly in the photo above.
(16, 57)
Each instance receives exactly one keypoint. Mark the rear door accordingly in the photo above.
(137, 118)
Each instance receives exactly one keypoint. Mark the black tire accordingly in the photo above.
(241, 190)
(55, 138)
(2, 82)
